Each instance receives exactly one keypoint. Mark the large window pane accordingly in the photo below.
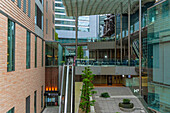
(28, 52)
(28, 104)
(35, 51)
(29, 8)
(41, 96)
(35, 102)
(11, 46)
(24, 6)
(42, 53)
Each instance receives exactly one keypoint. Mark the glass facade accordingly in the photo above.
(42, 96)
(62, 22)
(158, 57)
(28, 50)
(51, 54)
(11, 46)
(42, 63)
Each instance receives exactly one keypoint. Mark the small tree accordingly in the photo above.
(80, 52)
(87, 92)
(56, 36)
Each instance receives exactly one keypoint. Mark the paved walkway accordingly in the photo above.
(51, 110)
(110, 105)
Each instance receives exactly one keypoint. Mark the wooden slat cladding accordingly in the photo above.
(51, 78)
(10, 8)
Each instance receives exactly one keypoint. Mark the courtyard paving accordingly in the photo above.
(51, 110)
(110, 105)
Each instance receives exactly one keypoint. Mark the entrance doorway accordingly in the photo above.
(114, 80)
(109, 80)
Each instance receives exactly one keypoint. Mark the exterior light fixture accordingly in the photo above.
(123, 75)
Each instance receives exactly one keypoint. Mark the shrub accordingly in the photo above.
(105, 95)
(126, 101)
(128, 106)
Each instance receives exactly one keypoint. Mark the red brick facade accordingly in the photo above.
(15, 86)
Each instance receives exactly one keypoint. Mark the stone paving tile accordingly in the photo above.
(110, 105)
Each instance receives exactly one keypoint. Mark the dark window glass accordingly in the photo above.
(35, 102)
(59, 5)
(46, 6)
(28, 104)
(29, 8)
(19, 3)
(53, 6)
(38, 17)
(42, 53)
(24, 6)
(11, 110)
(46, 26)
(35, 51)
(53, 33)
(41, 96)
(11, 46)
(13, 0)
(28, 52)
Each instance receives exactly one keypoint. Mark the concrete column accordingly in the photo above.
(115, 34)
(110, 54)
(129, 7)
(124, 51)
(97, 54)
(140, 51)
(121, 32)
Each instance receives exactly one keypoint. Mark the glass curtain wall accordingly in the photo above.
(159, 57)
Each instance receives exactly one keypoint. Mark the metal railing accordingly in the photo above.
(66, 95)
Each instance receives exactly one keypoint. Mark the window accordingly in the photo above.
(13, 0)
(53, 33)
(41, 96)
(35, 51)
(38, 17)
(28, 104)
(11, 46)
(47, 6)
(35, 101)
(19, 3)
(11, 110)
(42, 53)
(24, 6)
(53, 6)
(46, 26)
(29, 8)
(28, 52)
(53, 19)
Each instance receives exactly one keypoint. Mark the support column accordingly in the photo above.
(140, 51)
(129, 7)
(97, 54)
(121, 32)
(110, 54)
(115, 34)
(124, 51)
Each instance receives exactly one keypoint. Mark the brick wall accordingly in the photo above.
(49, 16)
(17, 85)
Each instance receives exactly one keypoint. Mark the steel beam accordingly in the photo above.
(115, 34)
(121, 6)
(140, 51)
(129, 8)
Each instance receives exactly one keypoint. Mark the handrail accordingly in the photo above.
(66, 90)
(72, 90)
(61, 89)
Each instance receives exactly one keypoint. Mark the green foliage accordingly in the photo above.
(56, 36)
(80, 52)
(128, 106)
(62, 62)
(126, 101)
(105, 95)
(87, 92)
